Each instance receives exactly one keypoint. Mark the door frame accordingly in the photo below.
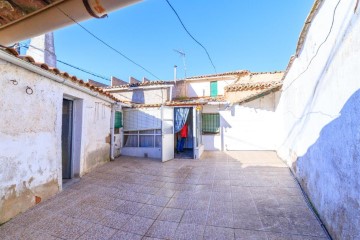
(70, 137)
(167, 137)
(77, 126)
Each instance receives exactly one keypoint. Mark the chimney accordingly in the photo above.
(42, 49)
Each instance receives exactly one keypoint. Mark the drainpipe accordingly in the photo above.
(112, 122)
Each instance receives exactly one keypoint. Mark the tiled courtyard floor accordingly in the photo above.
(233, 195)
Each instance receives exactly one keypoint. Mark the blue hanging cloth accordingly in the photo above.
(181, 115)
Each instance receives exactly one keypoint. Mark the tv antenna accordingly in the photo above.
(182, 54)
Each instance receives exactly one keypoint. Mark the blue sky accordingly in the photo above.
(239, 34)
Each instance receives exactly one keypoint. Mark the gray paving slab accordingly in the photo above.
(224, 195)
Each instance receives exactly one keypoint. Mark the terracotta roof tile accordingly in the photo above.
(140, 84)
(62, 74)
(199, 100)
(42, 65)
(253, 85)
(236, 73)
(12, 11)
(11, 51)
(26, 58)
(54, 70)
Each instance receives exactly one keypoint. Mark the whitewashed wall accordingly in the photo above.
(247, 128)
(201, 88)
(30, 137)
(319, 113)
(212, 142)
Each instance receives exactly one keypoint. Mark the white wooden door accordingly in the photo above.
(167, 129)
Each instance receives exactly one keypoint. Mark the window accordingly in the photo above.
(213, 89)
(144, 138)
(210, 123)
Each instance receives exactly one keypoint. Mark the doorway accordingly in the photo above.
(184, 115)
(66, 138)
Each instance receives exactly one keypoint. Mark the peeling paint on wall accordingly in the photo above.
(15, 201)
(30, 137)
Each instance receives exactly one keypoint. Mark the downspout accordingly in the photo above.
(112, 122)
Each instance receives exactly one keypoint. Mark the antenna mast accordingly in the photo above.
(182, 54)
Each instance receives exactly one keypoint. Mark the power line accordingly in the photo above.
(83, 70)
(177, 15)
(106, 44)
(68, 64)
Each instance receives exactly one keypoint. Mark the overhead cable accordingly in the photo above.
(106, 44)
(187, 31)
(68, 64)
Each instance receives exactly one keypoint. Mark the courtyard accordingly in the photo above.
(224, 195)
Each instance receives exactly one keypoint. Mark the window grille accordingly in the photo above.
(211, 123)
(144, 138)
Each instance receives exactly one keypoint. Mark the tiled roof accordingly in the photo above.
(199, 100)
(253, 85)
(256, 81)
(256, 94)
(184, 102)
(139, 84)
(11, 11)
(233, 73)
(66, 75)
(260, 77)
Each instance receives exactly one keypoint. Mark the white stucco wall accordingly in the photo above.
(319, 113)
(212, 142)
(268, 102)
(251, 126)
(30, 137)
(247, 128)
(201, 88)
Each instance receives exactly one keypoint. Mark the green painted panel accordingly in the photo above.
(213, 89)
(118, 120)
